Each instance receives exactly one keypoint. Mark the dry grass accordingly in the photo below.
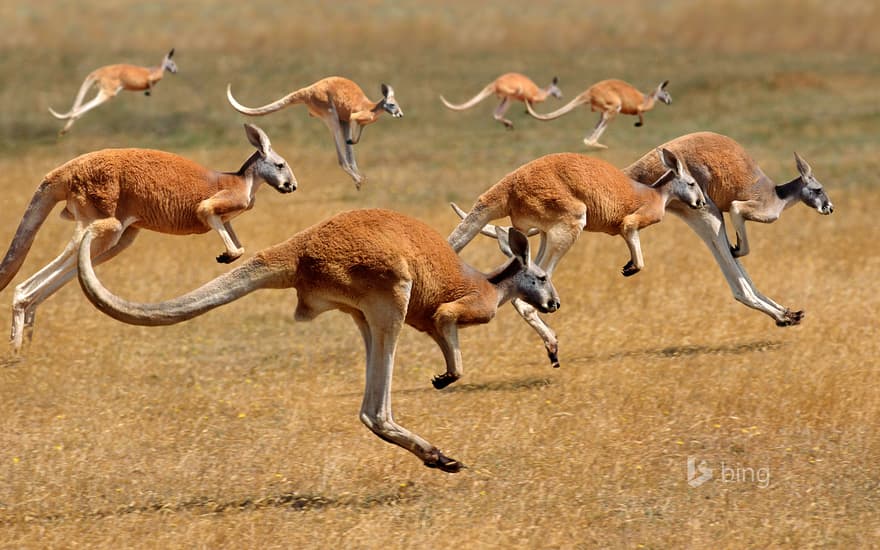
(239, 428)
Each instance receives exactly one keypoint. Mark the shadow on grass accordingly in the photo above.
(758, 346)
(207, 506)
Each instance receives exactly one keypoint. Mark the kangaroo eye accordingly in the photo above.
(279, 165)
(542, 278)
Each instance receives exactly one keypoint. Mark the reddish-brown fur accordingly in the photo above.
(161, 190)
(519, 87)
(724, 169)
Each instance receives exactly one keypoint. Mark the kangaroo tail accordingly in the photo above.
(487, 208)
(250, 276)
(484, 93)
(277, 105)
(490, 230)
(37, 211)
(80, 95)
(579, 100)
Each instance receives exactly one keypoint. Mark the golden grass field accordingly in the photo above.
(239, 429)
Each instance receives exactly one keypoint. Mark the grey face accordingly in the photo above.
(661, 93)
(812, 194)
(554, 90)
(684, 187)
(168, 64)
(533, 283)
(270, 166)
(389, 103)
(537, 289)
(276, 172)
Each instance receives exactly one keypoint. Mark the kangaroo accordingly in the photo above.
(342, 106)
(136, 189)
(112, 79)
(610, 98)
(735, 184)
(382, 268)
(510, 87)
(563, 194)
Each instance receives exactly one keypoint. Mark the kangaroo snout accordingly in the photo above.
(551, 306)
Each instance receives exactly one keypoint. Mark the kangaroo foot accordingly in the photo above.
(442, 380)
(791, 318)
(443, 462)
(629, 269)
(227, 258)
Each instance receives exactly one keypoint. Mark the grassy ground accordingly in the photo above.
(239, 428)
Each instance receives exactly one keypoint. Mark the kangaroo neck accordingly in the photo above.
(790, 192)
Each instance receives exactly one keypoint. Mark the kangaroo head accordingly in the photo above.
(553, 89)
(812, 193)
(661, 94)
(389, 103)
(682, 184)
(533, 284)
(168, 64)
(269, 165)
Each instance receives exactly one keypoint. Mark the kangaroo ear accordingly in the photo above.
(802, 166)
(555, 81)
(668, 159)
(664, 84)
(170, 54)
(518, 245)
(258, 138)
(386, 90)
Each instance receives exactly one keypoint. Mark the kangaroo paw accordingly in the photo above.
(638, 124)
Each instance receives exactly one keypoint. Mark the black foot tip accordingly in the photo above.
(629, 270)
(791, 318)
(445, 464)
(441, 381)
(226, 258)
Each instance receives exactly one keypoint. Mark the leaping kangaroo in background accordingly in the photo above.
(509, 87)
(342, 106)
(112, 79)
(610, 98)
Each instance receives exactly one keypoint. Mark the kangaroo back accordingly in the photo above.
(721, 166)
(37, 211)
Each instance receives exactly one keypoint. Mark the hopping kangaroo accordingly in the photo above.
(610, 98)
(735, 184)
(510, 87)
(133, 189)
(342, 106)
(382, 268)
(112, 79)
(562, 195)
